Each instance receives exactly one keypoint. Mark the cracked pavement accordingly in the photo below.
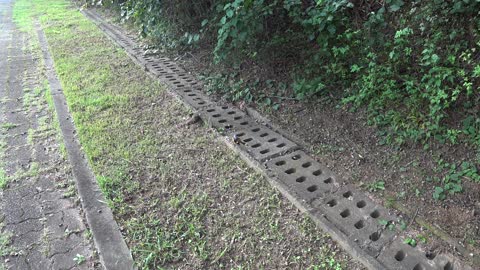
(40, 215)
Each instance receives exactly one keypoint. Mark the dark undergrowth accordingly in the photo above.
(412, 65)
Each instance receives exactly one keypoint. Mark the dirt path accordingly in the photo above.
(42, 223)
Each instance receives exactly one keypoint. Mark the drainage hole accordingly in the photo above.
(256, 145)
(430, 255)
(419, 266)
(296, 157)
(281, 145)
(280, 163)
(187, 91)
(375, 214)
(306, 165)
(448, 266)
(312, 188)
(317, 172)
(209, 110)
(240, 134)
(181, 85)
(231, 112)
(290, 171)
(264, 135)
(216, 115)
(264, 151)
(328, 180)
(301, 179)
(255, 130)
(201, 103)
(332, 203)
(224, 107)
(244, 123)
(222, 121)
(248, 139)
(237, 118)
(400, 256)
(272, 140)
(192, 95)
(374, 236)
(228, 126)
(345, 213)
(361, 204)
(347, 194)
(360, 224)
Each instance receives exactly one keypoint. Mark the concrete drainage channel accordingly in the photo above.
(350, 217)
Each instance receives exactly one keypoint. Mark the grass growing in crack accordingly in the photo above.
(163, 182)
(5, 244)
(3, 178)
(8, 126)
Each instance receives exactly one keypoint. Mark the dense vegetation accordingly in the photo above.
(413, 65)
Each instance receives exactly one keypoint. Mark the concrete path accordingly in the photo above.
(41, 222)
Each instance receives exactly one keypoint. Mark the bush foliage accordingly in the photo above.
(412, 64)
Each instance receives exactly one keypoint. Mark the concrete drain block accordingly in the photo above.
(162, 66)
(358, 217)
(181, 80)
(262, 143)
(194, 97)
(227, 118)
(401, 256)
(305, 176)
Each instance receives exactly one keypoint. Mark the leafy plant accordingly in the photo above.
(376, 186)
(79, 259)
(410, 241)
(452, 179)
(388, 224)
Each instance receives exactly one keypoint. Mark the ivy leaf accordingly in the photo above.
(204, 22)
(394, 8)
(395, 5)
(229, 13)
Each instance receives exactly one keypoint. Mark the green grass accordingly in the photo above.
(3, 178)
(182, 197)
(8, 126)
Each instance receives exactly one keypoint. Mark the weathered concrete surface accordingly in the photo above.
(38, 212)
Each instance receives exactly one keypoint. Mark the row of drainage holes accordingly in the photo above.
(359, 224)
(401, 255)
(223, 108)
(199, 101)
(293, 170)
(262, 135)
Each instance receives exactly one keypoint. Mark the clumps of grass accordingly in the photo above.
(5, 244)
(3, 178)
(8, 126)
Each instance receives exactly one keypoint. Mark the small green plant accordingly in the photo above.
(422, 239)
(452, 179)
(79, 259)
(376, 186)
(439, 193)
(387, 224)
(410, 241)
